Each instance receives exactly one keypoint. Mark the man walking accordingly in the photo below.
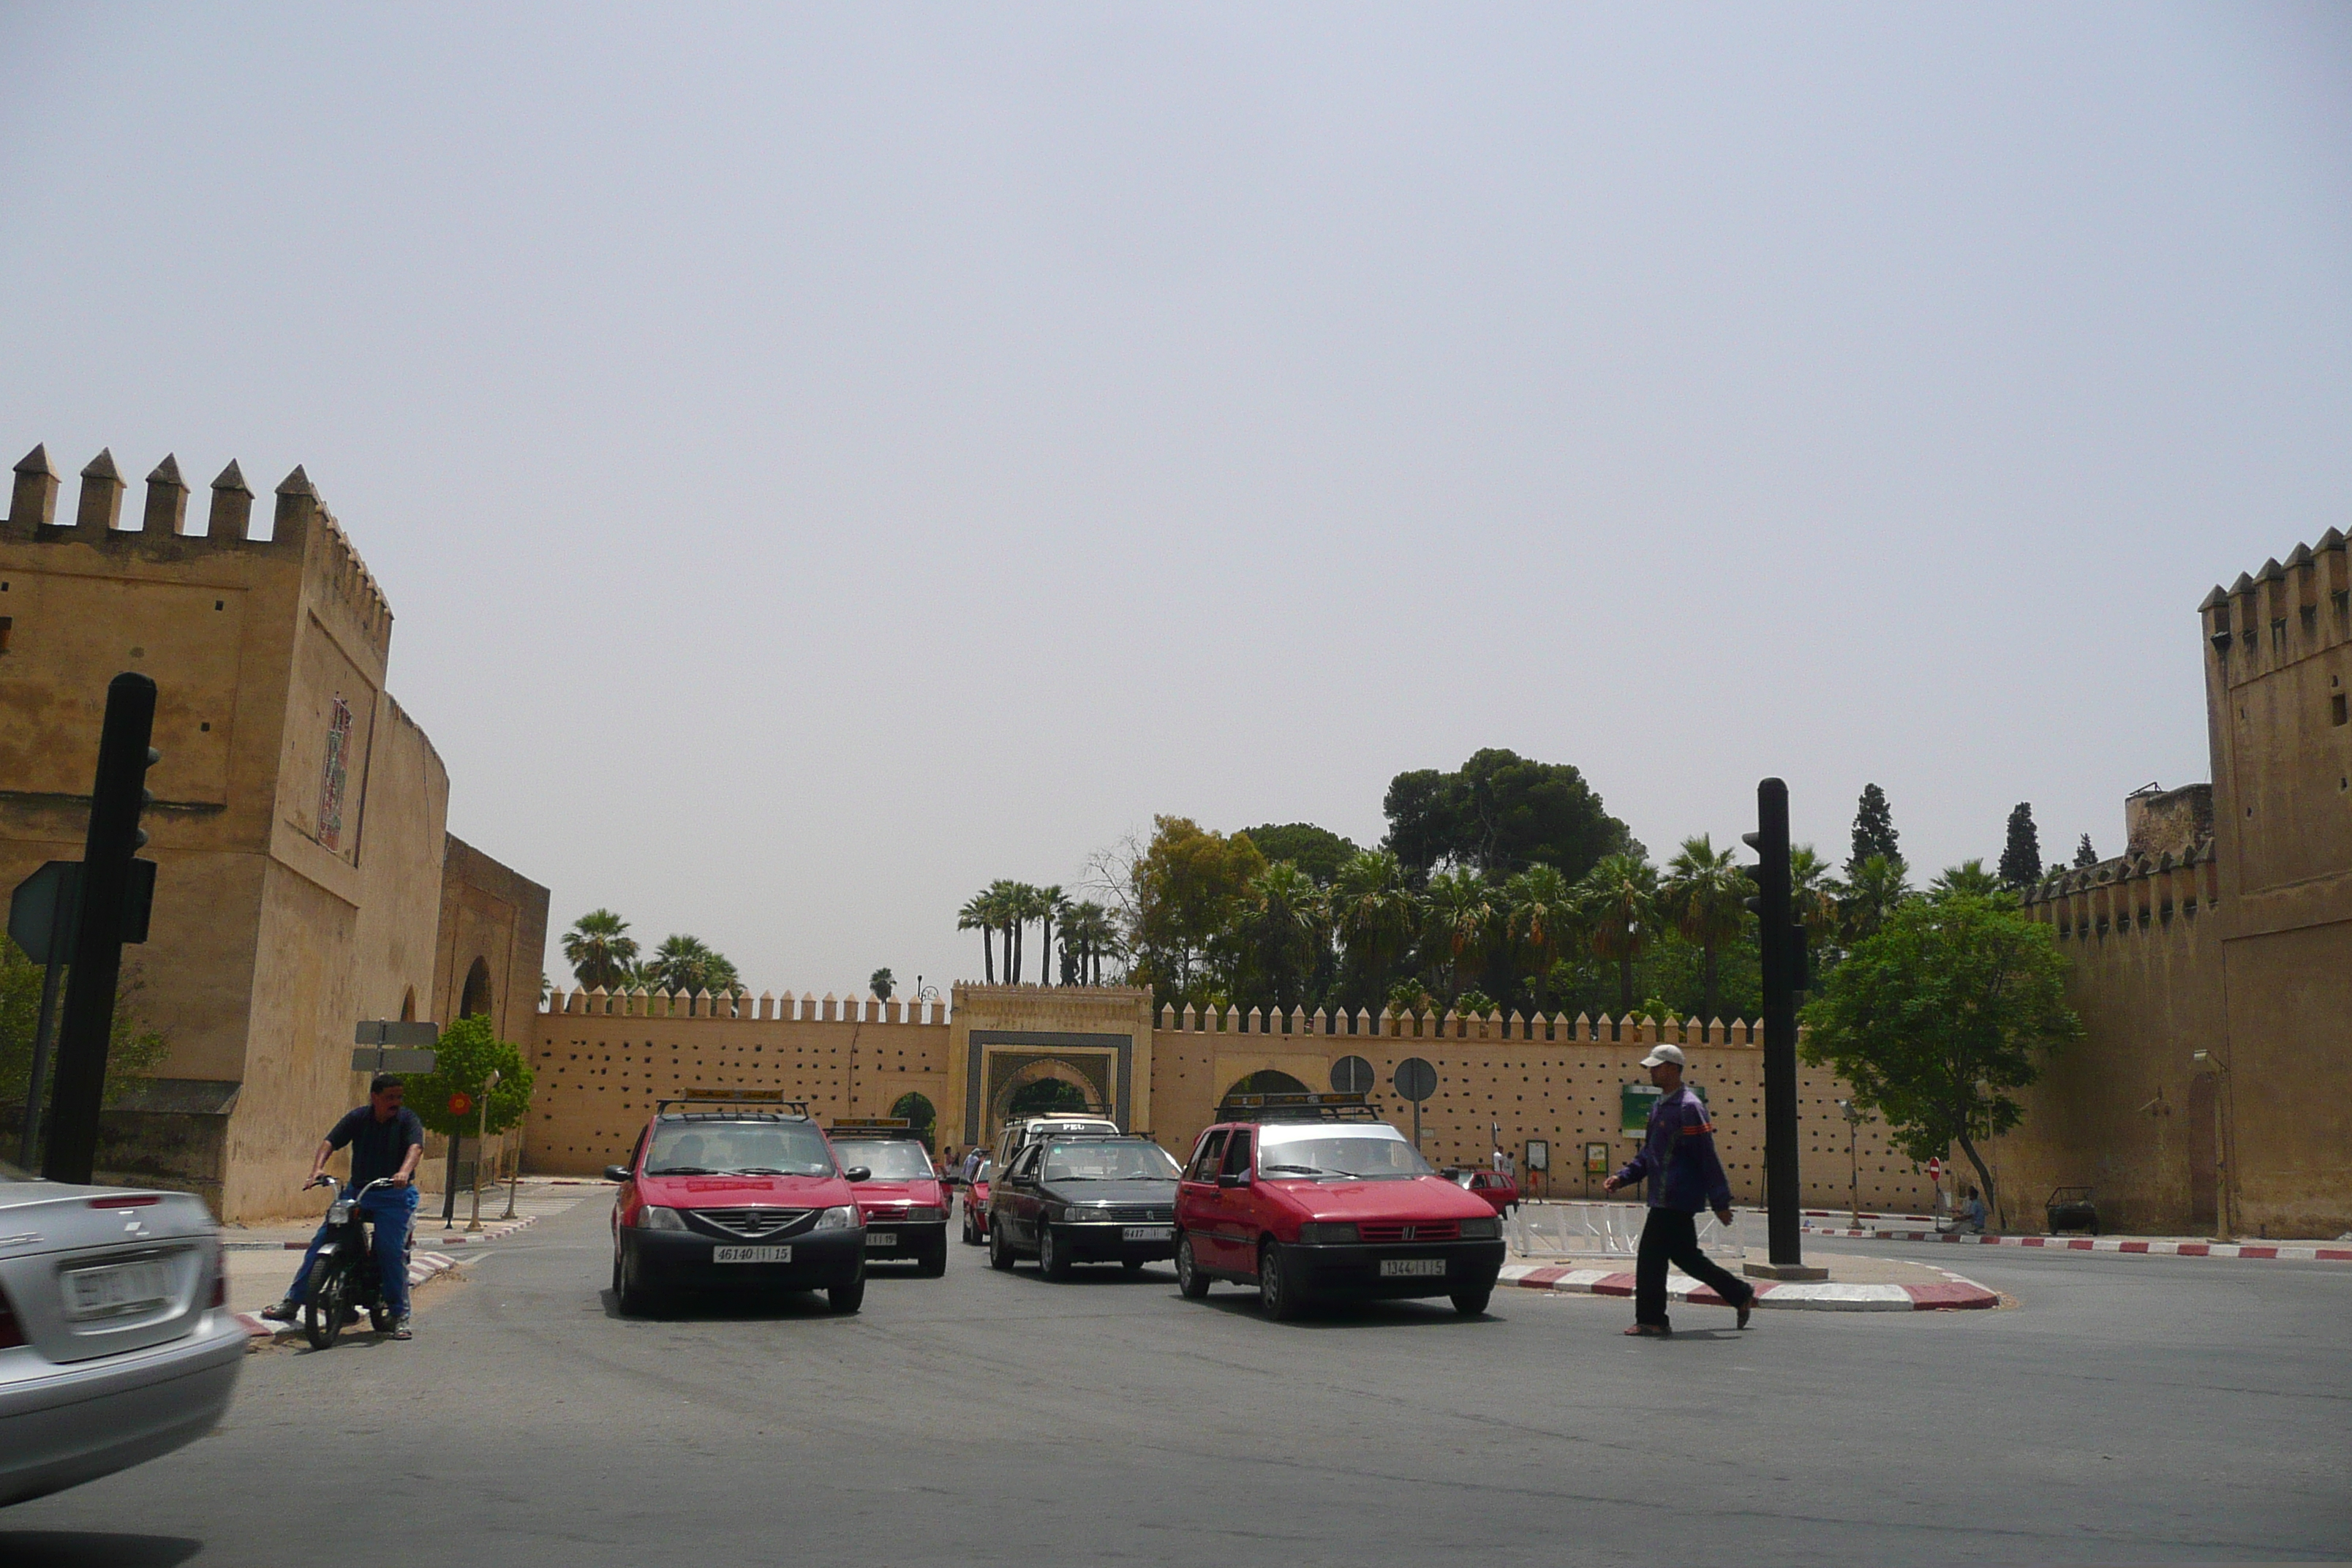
(1677, 1162)
(386, 1139)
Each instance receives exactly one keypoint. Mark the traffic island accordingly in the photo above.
(1855, 1285)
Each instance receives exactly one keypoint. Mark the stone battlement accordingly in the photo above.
(2284, 613)
(741, 1005)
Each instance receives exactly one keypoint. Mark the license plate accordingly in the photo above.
(751, 1255)
(881, 1238)
(1413, 1268)
(118, 1290)
(1149, 1233)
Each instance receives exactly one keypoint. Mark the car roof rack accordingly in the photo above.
(739, 1097)
(1308, 1106)
(872, 1127)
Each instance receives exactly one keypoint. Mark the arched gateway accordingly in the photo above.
(1012, 1041)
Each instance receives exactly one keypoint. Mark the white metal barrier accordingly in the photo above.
(1601, 1230)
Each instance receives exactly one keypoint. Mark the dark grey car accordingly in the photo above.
(116, 1344)
(1085, 1199)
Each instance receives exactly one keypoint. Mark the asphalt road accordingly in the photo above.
(2131, 1409)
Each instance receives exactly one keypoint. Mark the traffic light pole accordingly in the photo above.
(88, 1026)
(1783, 955)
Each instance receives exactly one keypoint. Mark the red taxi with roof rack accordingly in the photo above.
(903, 1199)
(1313, 1197)
(743, 1194)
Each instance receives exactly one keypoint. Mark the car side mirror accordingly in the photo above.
(858, 1174)
(616, 1172)
(1232, 1178)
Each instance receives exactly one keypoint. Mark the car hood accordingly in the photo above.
(1135, 1192)
(926, 1190)
(1419, 1198)
(726, 1192)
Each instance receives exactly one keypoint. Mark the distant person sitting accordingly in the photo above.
(1972, 1212)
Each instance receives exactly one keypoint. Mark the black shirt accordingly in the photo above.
(377, 1147)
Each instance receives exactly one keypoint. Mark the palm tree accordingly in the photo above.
(1375, 913)
(1051, 906)
(1877, 889)
(1460, 919)
(1087, 932)
(1005, 899)
(1968, 877)
(977, 915)
(1618, 906)
(687, 963)
(600, 950)
(1543, 913)
(1812, 892)
(1283, 928)
(1705, 896)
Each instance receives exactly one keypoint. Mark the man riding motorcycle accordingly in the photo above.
(387, 1140)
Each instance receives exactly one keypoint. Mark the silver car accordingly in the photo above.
(116, 1344)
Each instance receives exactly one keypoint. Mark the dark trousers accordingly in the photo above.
(1669, 1235)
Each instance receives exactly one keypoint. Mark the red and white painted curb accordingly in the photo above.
(2285, 1252)
(422, 1266)
(1954, 1294)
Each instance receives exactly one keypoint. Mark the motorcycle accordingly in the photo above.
(344, 1281)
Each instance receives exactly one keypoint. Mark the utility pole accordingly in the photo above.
(109, 889)
(1783, 945)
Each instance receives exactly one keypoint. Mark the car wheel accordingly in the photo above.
(616, 1267)
(1191, 1282)
(846, 1299)
(970, 1236)
(1277, 1290)
(1000, 1251)
(932, 1260)
(1470, 1303)
(1052, 1261)
(637, 1301)
(323, 1304)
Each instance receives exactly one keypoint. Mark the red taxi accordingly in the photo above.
(1499, 1190)
(975, 1203)
(1313, 1196)
(904, 1199)
(744, 1196)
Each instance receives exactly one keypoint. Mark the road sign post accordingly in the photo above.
(117, 795)
(1416, 1080)
(1783, 955)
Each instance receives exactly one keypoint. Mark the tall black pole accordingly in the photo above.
(1777, 930)
(87, 1024)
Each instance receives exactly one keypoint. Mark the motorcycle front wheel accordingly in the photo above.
(323, 1306)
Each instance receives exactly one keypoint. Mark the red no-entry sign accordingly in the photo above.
(1934, 1170)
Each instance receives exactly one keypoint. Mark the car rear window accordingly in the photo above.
(1107, 1162)
(732, 1148)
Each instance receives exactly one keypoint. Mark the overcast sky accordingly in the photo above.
(824, 458)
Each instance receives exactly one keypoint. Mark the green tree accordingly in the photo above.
(1089, 933)
(2084, 856)
(1185, 890)
(1617, 905)
(600, 950)
(977, 915)
(1876, 889)
(1374, 914)
(1813, 893)
(1317, 851)
(1705, 896)
(133, 1049)
(1937, 1015)
(1283, 931)
(1542, 917)
(1049, 906)
(1474, 1003)
(1968, 877)
(1459, 915)
(468, 1051)
(1500, 813)
(1874, 831)
(882, 983)
(687, 963)
(2020, 856)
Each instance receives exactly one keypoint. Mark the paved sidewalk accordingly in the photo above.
(1855, 1284)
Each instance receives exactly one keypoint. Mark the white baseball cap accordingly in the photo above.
(1660, 1055)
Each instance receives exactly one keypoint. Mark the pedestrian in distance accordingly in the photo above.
(1682, 1175)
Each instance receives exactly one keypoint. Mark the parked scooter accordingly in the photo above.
(344, 1281)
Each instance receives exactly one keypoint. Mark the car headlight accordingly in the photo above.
(653, 1216)
(1325, 1232)
(842, 1218)
(1485, 1229)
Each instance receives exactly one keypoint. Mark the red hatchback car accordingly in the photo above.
(1315, 1197)
(745, 1197)
(975, 1203)
(904, 1199)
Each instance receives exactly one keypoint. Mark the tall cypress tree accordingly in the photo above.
(1874, 831)
(2021, 859)
(2084, 856)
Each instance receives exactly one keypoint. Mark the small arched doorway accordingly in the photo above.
(1265, 1080)
(921, 1117)
(475, 1000)
(408, 1006)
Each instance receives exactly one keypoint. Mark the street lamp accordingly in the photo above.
(1854, 1118)
(480, 1137)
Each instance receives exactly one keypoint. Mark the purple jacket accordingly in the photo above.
(1678, 1158)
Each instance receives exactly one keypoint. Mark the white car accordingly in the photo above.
(116, 1344)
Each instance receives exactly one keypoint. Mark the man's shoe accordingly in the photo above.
(400, 1328)
(1650, 1331)
(284, 1311)
(1745, 1308)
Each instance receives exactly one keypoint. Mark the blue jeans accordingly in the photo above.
(391, 1210)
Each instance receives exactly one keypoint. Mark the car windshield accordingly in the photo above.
(890, 1158)
(739, 1148)
(1324, 1153)
(1108, 1162)
(987, 1172)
